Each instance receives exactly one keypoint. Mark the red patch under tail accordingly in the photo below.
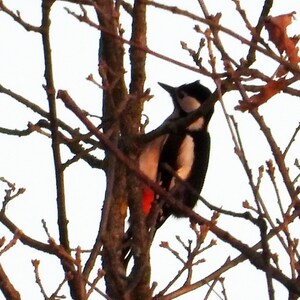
(148, 198)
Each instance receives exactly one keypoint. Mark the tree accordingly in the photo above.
(112, 143)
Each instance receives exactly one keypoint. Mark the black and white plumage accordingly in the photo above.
(185, 152)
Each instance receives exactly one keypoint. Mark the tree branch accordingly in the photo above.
(50, 90)
(17, 18)
(7, 288)
(77, 285)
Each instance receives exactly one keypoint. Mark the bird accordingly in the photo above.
(178, 161)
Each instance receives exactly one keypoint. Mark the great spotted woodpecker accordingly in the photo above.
(178, 161)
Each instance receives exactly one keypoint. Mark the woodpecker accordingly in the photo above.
(178, 161)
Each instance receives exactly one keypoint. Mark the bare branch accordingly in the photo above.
(217, 26)
(7, 288)
(17, 18)
(279, 157)
(291, 140)
(25, 239)
(50, 90)
(35, 264)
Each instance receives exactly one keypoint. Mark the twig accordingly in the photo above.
(267, 257)
(212, 23)
(245, 18)
(46, 229)
(211, 288)
(110, 173)
(259, 26)
(271, 173)
(261, 207)
(35, 108)
(279, 158)
(93, 284)
(183, 290)
(229, 264)
(10, 194)
(25, 239)
(141, 47)
(223, 287)
(94, 288)
(166, 246)
(213, 34)
(11, 243)
(16, 132)
(50, 90)
(78, 156)
(54, 295)
(296, 163)
(192, 253)
(18, 19)
(291, 141)
(35, 264)
(74, 147)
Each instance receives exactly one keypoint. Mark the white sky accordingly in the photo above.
(27, 161)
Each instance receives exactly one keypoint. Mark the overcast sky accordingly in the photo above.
(27, 161)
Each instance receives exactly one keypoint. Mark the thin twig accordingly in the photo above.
(50, 90)
(141, 47)
(211, 289)
(17, 18)
(291, 141)
(278, 155)
(11, 243)
(271, 173)
(54, 295)
(268, 52)
(38, 280)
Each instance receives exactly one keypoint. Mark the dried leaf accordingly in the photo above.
(272, 88)
(276, 27)
(292, 53)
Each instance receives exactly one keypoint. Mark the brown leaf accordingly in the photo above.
(292, 53)
(276, 27)
(272, 88)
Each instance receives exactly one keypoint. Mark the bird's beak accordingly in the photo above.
(168, 88)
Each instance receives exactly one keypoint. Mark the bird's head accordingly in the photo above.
(188, 98)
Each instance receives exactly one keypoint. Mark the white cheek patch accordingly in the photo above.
(189, 104)
(185, 159)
